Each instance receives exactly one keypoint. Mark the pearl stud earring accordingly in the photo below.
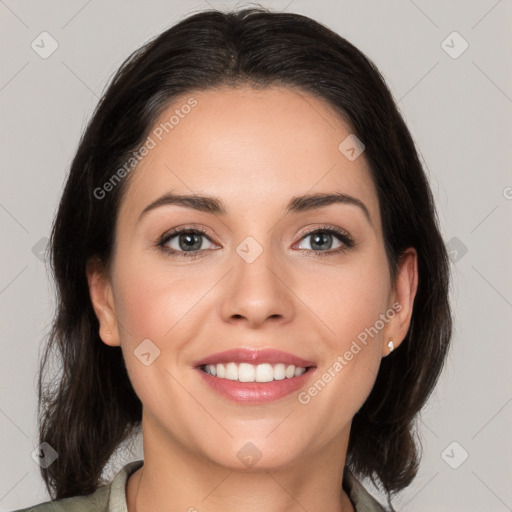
(391, 346)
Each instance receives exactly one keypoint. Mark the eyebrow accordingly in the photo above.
(210, 204)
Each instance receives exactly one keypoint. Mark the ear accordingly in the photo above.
(100, 290)
(402, 299)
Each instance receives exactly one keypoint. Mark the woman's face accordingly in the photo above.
(257, 279)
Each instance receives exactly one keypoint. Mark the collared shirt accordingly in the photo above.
(112, 497)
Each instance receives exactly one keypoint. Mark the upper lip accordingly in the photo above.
(244, 355)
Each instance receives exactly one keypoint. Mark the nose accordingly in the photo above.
(257, 291)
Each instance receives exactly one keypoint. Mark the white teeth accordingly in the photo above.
(279, 371)
(245, 372)
(290, 371)
(232, 371)
(221, 370)
(264, 373)
(299, 371)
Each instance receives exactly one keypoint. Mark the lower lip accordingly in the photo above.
(256, 392)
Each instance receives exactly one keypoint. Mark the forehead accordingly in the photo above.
(249, 147)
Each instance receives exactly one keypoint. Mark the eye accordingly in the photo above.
(327, 240)
(185, 242)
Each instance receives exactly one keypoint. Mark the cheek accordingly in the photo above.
(162, 304)
(155, 305)
(152, 298)
(350, 303)
(351, 306)
(350, 300)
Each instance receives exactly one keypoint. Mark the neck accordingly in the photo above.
(191, 482)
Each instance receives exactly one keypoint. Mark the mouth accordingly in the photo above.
(254, 376)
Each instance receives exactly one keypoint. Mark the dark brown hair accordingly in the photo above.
(89, 407)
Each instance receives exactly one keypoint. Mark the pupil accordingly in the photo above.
(321, 238)
(190, 241)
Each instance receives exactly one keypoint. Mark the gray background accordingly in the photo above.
(459, 111)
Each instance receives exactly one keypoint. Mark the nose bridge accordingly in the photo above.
(257, 289)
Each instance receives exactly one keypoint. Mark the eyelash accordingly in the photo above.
(342, 235)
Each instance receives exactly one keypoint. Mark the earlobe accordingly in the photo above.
(405, 287)
(100, 291)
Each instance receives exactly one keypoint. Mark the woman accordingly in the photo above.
(249, 268)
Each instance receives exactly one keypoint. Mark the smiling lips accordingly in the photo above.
(254, 376)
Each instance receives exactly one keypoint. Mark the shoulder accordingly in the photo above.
(362, 500)
(97, 501)
(107, 498)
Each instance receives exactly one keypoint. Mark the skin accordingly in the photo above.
(254, 150)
